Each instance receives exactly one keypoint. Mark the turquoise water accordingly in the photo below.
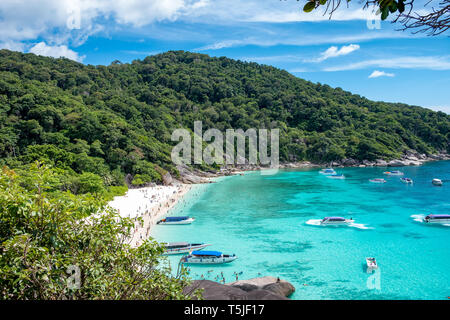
(267, 221)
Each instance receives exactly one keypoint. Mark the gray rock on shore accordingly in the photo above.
(265, 288)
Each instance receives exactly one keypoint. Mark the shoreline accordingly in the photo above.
(149, 203)
(410, 159)
(155, 202)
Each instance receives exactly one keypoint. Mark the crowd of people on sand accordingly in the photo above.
(150, 204)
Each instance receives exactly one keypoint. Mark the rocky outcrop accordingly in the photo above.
(265, 288)
(380, 163)
(211, 290)
(410, 158)
(191, 176)
(167, 179)
(275, 285)
(282, 288)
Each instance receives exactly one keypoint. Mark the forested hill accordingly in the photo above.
(118, 119)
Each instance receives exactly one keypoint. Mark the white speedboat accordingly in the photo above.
(406, 180)
(394, 173)
(176, 220)
(377, 180)
(371, 264)
(182, 247)
(208, 257)
(327, 171)
(336, 221)
(336, 176)
(437, 218)
(436, 182)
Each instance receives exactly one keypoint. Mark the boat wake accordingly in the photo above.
(418, 217)
(314, 222)
(359, 226)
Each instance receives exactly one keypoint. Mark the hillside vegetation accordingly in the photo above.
(103, 122)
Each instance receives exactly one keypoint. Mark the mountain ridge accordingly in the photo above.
(117, 119)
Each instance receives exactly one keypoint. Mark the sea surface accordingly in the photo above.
(271, 223)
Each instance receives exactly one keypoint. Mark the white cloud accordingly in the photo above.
(269, 11)
(43, 49)
(298, 39)
(298, 15)
(12, 45)
(445, 109)
(376, 74)
(223, 44)
(333, 51)
(30, 19)
(431, 63)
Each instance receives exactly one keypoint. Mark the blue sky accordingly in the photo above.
(378, 63)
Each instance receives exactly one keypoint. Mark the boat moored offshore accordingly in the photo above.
(393, 173)
(437, 218)
(437, 182)
(335, 221)
(406, 180)
(336, 176)
(182, 247)
(176, 220)
(371, 264)
(377, 180)
(208, 257)
(327, 171)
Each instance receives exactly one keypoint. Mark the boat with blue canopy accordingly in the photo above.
(393, 173)
(176, 220)
(327, 171)
(208, 257)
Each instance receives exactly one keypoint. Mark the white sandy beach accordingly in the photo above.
(150, 203)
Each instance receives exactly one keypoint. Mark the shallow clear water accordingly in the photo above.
(266, 221)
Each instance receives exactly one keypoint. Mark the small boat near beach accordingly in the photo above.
(182, 247)
(437, 218)
(208, 257)
(371, 264)
(437, 182)
(176, 220)
(336, 176)
(393, 173)
(327, 171)
(377, 180)
(335, 221)
(406, 180)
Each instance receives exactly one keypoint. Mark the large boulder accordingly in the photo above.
(413, 163)
(247, 287)
(368, 163)
(259, 294)
(397, 163)
(275, 285)
(265, 288)
(215, 291)
(167, 179)
(282, 288)
(350, 162)
(381, 163)
(187, 176)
